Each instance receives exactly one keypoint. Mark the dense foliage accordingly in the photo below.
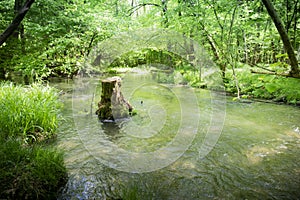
(276, 88)
(33, 172)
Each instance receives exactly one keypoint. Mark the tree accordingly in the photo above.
(294, 72)
(16, 21)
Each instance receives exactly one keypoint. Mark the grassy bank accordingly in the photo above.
(30, 169)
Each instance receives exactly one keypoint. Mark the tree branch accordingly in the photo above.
(135, 8)
(217, 16)
(16, 21)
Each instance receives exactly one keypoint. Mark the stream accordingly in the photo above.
(256, 156)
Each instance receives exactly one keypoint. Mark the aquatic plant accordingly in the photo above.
(29, 112)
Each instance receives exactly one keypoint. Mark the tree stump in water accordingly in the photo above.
(113, 105)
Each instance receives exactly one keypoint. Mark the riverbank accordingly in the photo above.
(266, 87)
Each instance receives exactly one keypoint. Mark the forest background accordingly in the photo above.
(240, 36)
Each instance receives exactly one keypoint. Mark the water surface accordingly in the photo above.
(257, 155)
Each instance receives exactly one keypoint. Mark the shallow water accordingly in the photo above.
(257, 156)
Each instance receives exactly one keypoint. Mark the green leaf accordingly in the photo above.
(284, 55)
(271, 87)
(258, 85)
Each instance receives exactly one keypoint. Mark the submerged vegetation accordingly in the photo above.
(30, 169)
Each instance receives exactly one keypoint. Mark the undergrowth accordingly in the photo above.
(264, 86)
(30, 172)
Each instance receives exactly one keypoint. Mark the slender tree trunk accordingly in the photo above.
(164, 5)
(16, 21)
(180, 7)
(117, 8)
(18, 5)
(296, 20)
(245, 47)
(294, 72)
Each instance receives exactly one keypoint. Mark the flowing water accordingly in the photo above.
(257, 156)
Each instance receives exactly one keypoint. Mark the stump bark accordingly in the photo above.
(113, 105)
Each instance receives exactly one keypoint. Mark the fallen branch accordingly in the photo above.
(273, 73)
(269, 70)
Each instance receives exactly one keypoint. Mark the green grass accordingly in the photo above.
(28, 112)
(31, 172)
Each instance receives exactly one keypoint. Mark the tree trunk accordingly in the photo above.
(16, 22)
(164, 5)
(113, 105)
(294, 72)
(19, 33)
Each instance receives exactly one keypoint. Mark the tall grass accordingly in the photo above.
(28, 112)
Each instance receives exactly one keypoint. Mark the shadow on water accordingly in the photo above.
(256, 157)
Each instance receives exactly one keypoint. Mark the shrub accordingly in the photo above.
(277, 88)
